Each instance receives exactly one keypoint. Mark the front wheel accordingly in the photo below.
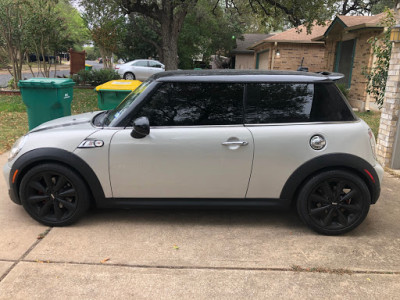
(129, 76)
(334, 202)
(54, 195)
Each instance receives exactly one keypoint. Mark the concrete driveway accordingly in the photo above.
(173, 254)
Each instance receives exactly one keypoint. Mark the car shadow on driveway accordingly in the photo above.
(287, 219)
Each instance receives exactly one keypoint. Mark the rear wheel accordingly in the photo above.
(54, 195)
(334, 202)
(129, 76)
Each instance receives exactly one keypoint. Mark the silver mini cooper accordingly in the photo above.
(196, 138)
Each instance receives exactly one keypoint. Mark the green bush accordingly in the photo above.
(104, 75)
(343, 88)
(10, 83)
(95, 77)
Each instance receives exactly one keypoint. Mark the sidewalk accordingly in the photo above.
(172, 254)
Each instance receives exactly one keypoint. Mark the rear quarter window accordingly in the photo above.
(294, 103)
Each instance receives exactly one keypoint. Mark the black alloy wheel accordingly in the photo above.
(54, 195)
(334, 202)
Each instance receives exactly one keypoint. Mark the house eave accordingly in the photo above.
(364, 26)
(286, 42)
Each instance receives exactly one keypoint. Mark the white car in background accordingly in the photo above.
(139, 69)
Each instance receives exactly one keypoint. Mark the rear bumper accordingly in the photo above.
(379, 171)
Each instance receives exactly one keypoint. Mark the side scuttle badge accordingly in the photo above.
(91, 144)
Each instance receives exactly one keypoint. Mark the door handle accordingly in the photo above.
(235, 143)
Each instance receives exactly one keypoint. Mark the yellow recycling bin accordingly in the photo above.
(111, 93)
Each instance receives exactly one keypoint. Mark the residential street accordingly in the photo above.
(4, 78)
(184, 254)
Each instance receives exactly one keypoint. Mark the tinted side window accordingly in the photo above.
(189, 104)
(278, 102)
(329, 105)
(295, 102)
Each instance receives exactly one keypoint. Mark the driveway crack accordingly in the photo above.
(294, 269)
(25, 254)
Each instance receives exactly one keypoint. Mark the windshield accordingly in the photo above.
(124, 105)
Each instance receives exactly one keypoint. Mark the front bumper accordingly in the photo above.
(7, 177)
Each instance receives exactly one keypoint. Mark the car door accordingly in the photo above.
(155, 67)
(197, 146)
(283, 118)
(140, 69)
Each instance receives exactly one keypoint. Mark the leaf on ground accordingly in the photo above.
(105, 260)
(176, 247)
(42, 261)
(43, 234)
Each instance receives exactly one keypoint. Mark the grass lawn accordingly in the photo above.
(14, 120)
(372, 118)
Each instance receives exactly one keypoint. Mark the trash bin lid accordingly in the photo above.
(86, 65)
(119, 85)
(46, 83)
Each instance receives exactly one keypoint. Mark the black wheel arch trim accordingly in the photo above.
(66, 158)
(332, 161)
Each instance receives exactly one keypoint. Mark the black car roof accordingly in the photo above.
(228, 75)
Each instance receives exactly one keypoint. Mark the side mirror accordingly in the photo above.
(141, 128)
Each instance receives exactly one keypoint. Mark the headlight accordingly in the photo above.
(17, 147)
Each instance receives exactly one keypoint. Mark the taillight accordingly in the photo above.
(372, 142)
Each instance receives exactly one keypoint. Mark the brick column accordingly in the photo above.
(387, 135)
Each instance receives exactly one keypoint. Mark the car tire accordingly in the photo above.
(333, 202)
(54, 195)
(129, 76)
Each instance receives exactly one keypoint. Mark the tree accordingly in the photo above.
(362, 7)
(382, 49)
(4, 61)
(168, 17)
(138, 39)
(105, 21)
(382, 5)
(205, 33)
(13, 33)
(43, 29)
(295, 12)
(76, 33)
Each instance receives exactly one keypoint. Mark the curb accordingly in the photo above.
(10, 92)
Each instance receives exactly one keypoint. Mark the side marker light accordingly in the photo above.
(370, 175)
(15, 175)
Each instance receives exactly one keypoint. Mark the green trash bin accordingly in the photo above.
(46, 98)
(88, 67)
(111, 93)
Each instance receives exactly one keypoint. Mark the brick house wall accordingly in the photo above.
(389, 136)
(291, 55)
(362, 58)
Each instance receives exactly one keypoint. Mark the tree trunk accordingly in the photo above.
(106, 58)
(170, 15)
(169, 44)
